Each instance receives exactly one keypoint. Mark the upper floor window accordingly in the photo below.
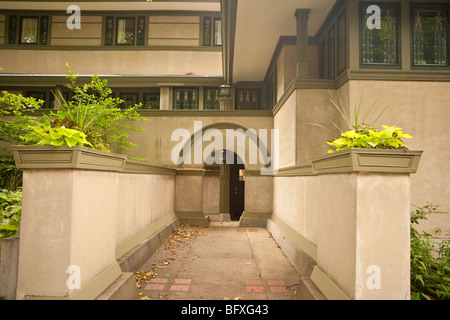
(430, 35)
(212, 99)
(380, 44)
(248, 99)
(31, 30)
(128, 31)
(212, 31)
(185, 98)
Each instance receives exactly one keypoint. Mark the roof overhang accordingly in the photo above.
(117, 5)
(255, 29)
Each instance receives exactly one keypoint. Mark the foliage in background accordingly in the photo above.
(10, 211)
(95, 113)
(10, 175)
(430, 260)
(15, 117)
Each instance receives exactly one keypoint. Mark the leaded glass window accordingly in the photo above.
(248, 99)
(217, 32)
(151, 100)
(109, 31)
(212, 101)
(12, 29)
(43, 32)
(130, 99)
(185, 99)
(207, 31)
(430, 36)
(379, 44)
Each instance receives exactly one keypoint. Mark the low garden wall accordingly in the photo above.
(344, 223)
(83, 212)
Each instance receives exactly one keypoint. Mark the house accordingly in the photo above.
(256, 74)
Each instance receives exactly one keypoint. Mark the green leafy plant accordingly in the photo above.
(15, 117)
(360, 132)
(430, 259)
(10, 175)
(45, 135)
(96, 113)
(370, 138)
(10, 212)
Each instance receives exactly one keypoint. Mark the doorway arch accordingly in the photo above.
(232, 184)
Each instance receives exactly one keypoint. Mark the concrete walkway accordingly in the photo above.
(218, 262)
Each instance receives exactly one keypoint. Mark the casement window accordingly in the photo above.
(212, 31)
(430, 35)
(248, 99)
(212, 99)
(28, 30)
(380, 45)
(185, 98)
(125, 31)
(130, 99)
(151, 101)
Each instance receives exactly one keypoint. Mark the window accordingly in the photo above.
(217, 32)
(430, 35)
(185, 98)
(28, 30)
(212, 96)
(130, 99)
(125, 31)
(212, 31)
(151, 100)
(331, 53)
(380, 46)
(342, 43)
(247, 99)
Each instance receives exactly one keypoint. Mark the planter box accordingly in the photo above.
(368, 160)
(77, 157)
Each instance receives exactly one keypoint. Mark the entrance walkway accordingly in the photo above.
(218, 262)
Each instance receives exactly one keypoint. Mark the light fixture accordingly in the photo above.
(225, 91)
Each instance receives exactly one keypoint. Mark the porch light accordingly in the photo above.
(225, 91)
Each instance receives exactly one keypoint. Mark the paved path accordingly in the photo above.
(218, 262)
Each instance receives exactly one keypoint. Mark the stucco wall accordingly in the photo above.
(421, 109)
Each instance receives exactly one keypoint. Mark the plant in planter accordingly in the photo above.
(92, 118)
(362, 134)
(366, 137)
(362, 147)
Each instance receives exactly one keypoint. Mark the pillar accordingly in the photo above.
(302, 16)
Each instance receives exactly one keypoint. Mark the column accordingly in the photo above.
(302, 16)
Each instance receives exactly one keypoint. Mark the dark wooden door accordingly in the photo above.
(237, 192)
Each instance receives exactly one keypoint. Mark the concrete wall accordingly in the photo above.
(421, 109)
(163, 62)
(82, 218)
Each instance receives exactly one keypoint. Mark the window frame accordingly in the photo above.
(413, 6)
(195, 89)
(398, 11)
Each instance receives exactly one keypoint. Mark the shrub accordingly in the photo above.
(96, 114)
(10, 212)
(430, 260)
